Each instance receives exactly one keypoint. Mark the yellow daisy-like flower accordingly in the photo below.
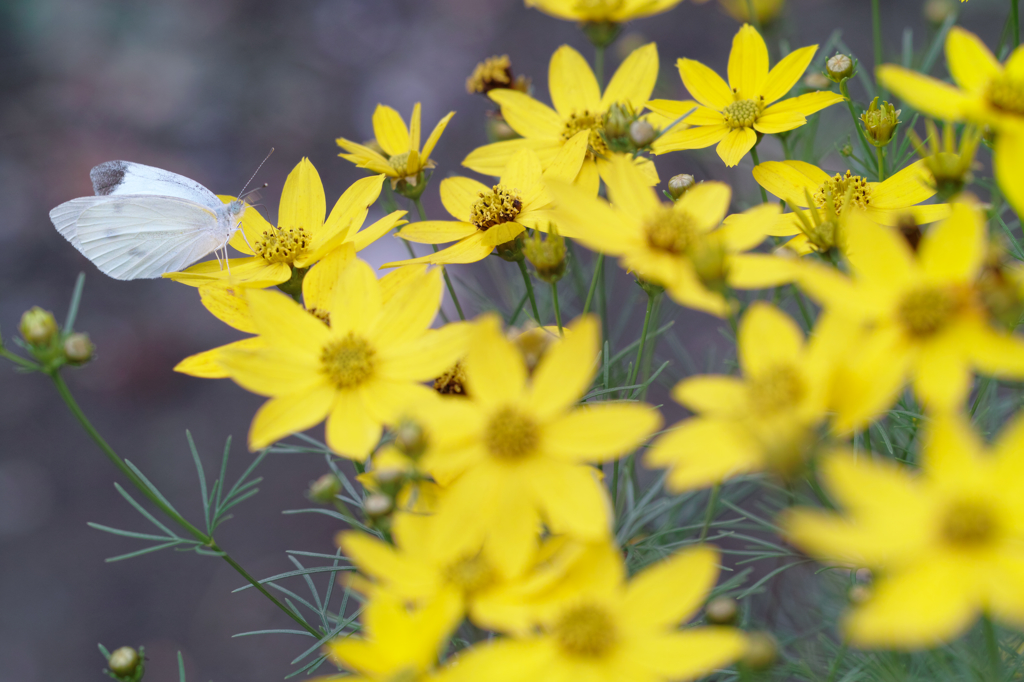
(766, 10)
(610, 629)
(731, 115)
(405, 158)
(520, 451)
(947, 542)
(302, 236)
(986, 93)
(359, 373)
(488, 216)
(922, 316)
(886, 203)
(600, 11)
(682, 247)
(765, 419)
(578, 106)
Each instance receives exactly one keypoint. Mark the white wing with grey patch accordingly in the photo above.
(121, 178)
(65, 217)
(133, 237)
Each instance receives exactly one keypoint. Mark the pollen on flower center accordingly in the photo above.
(586, 120)
(470, 574)
(968, 524)
(452, 382)
(777, 388)
(399, 163)
(743, 113)
(926, 310)
(670, 230)
(282, 245)
(586, 630)
(1007, 94)
(349, 361)
(511, 435)
(500, 205)
(833, 192)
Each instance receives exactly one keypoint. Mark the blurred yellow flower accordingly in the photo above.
(359, 373)
(302, 237)
(947, 542)
(578, 106)
(731, 115)
(405, 158)
(767, 11)
(611, 11)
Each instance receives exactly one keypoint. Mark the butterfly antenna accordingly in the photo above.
(242, 193)
(254, 189)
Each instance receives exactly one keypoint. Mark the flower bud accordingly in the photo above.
(710, 259)
(601, 33)
(859, 594)
(722, 611)
(497, 129)
(847, 150)
(78, 349)
(547, 256)
(618, 120)
(533, 342)
(817, 81)
(323, 489)
(38, 326)
(641, 134)
(761, 651)
(839, 68)
(678, 185)
(937, 11)
(880, 122)
(124, 662)
(511, 251)
(377, 505)
(410, 438)
(388, 477)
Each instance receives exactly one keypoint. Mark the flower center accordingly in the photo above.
(470, 574)
(586, 120)
(500, 205)
(492, 73)
(969, 524)
(925, 311)
(587, 631)
(348, 362)
(511, 435)
(833, 191)
(776, 389)
(399, 163)
(742, 113)
(282, 245)
(452, 382)
(1007, 94)
(322, 315)
(670, 230)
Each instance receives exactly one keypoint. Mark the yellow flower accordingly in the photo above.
(488, 216)
(921, 314)
(802, 185)
(302, 237)
(766, 10)
(986, 94)
(520, 450)
(732, 115)
(766, 419)
(948, 541)
(609, 628)
(359, 373)
(397, 644)
(405, 158)
(597, 11)
(579, 106)
(682, 247)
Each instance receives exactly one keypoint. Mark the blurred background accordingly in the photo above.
(205, 88)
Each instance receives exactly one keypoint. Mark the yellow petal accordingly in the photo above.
(628, 190)
(270, 372)
(351, 431)
(697, 137)
(994, 352)
(787, 73)
(409, 312)
(302, 200)
(760, 271)
(522, 173)
(491, 159)
(285, 415)
(735, 145)
(350, 210)
(706, 204)
(952, 455)
(376, 230)
(768, 338)
(779, 122)
(600, 431)
(495, 370)
(633, 82)
(954, 249)
(748, 63)
(527, 116)
(710, 393)
(971, 63)
(942, 375)
(458, 194)
(206, 365)
(318, 284)
(928, 95)
(252, 227)
(785, 180)
(869, 381)
(704, 85)
(878, 254)
(285, 324)
(500, 234)
(468, 250)
(436, 231)
(744, 231)
(228, 305)
(251, 272)
(429, 356)
(905, 188)
(390, 130)
(572, 500)
(414, 129)
(673, 109)
(670, 591)
(701, 452)
(690, 654)
(435, 135)
(357, 300)
(566, 369)
(394, 281)
(573, 85)
(364, 157)
(1006, 159)
(805, 105)
(590, 220)
(571, 155)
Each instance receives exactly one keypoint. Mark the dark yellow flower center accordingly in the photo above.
(282, 245)
(586, 120)
(925, 311)
(500, 205)
(671, 230)
(399, 163)
(743, 113)
(587, 631)
(832, 192)
(322, 315)
(470, 574)
(968, 524)
(1007, 94)
(349, 361)
(511, 435)
(776, 388)
(493, 72)
(452, 382)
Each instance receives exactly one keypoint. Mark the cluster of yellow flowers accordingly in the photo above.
(491, 509)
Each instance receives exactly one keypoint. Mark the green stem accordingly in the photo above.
(757, 162)
(752, 16)
(652, 297)
(529, 290)
(593, 283)
(803, 307)
(845, 92)
(208, 541)
(18, 360)
(710, 513)
(444, 270)
(1015, 19)
(881, 164)
(995, 657)
(558, 312)
(981, 391)
(876, 24)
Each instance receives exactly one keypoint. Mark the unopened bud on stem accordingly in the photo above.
(678, 185)
(641, 134)
(38, 326)
(547, 256)
(78, 349)
(839, 68)
(124, 662)
(323, 489)
(880, 122)
(722, 611)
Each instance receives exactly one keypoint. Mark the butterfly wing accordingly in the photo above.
(144, 236)
(65, 217)
(122, 178)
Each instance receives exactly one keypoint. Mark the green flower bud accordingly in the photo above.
(78, 349)
(641, 134)
(839, 68)
(547, 256)
(38, 326)
(601, 33)
(761, 651)
(847, 150)
(880, 122)
(377, 505)
(511, 251)
(722, 611)
(125, 662)
(618, 120)
(937, 11)
(410, 438)
(497, 129)
(678, 185)
(323, 489)
(817, 81)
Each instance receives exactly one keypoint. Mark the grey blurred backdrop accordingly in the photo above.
(204, 88)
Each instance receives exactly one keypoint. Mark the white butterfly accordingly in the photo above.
(145, 221)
